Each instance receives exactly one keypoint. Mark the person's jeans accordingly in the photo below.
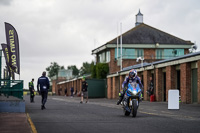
(44, 97)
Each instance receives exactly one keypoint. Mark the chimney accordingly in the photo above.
(139, 18)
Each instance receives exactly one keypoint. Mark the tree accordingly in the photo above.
(53, 69)
(93, 70)
(100, 70)
(86, 68)
(74, 69)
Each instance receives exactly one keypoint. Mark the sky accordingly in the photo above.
(66, 31)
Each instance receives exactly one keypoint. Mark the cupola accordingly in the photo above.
(139, 18)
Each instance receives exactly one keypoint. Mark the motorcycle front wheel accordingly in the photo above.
(134, 107)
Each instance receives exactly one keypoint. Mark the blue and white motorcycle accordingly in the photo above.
(131, 98)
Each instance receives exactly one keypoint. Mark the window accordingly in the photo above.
(119, 53)
(179, 52)
(127, 53)
(159, 53)
(168, 53)
(108, 56)
(103, 56)
(140, 52)
(100, 58)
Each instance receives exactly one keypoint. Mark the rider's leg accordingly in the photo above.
(126, 104)
(121, 95)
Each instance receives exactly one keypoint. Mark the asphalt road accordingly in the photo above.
(67, 115)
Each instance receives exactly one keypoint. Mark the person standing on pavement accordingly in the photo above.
(84, 92)
(151, 87)
(72, 91)
(42, 88)
(31, 88)
(65, 91)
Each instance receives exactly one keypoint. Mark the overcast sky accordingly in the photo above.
(66, 31)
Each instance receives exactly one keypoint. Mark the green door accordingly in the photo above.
(96, 88)
(194, 85)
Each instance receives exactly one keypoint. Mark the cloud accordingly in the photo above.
(66, 31)
(5, 2)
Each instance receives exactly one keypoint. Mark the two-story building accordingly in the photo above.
(141, 41)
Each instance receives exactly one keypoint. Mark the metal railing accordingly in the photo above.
(11, 88)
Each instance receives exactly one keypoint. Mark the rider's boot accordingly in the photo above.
(126, 105)
(120, 100)
(121, 95)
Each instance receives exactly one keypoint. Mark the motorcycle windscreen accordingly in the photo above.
(133, 86)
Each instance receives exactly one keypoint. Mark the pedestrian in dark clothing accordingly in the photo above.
(31, 88)
(72, 91)
(65, 91)
(151, 87)
(42, 88)
(84, 91)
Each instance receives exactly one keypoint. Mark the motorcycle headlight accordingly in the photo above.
(134, 92)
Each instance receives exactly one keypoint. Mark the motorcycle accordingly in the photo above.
(131, 98)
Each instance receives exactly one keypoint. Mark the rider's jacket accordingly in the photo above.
(130, 80)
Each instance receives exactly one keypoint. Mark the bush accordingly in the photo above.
(102, 70)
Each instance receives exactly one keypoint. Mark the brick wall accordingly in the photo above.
(109, 88)
(113, 87)
(113, 67)
(75, 85)
(186, 51)
(146, 82)
(159, 84)
(185, 70)
(129, 62)
(170, 79)
(55, 86)
(198, 76)
(80, 85)
(149, 54)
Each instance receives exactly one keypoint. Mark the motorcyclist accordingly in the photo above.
(129, 79)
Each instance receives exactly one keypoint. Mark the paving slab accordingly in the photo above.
(14, 123)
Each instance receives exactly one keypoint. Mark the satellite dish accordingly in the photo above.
(194, 47)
